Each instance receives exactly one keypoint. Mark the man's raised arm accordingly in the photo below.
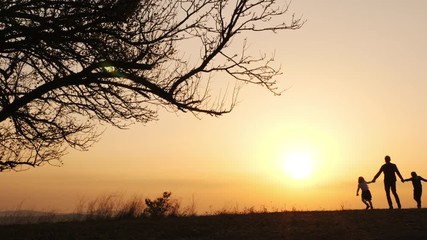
(400, 175)
(377, 175)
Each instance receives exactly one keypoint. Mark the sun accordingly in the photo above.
(298, 165)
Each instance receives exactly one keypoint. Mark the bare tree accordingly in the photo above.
(68, 66)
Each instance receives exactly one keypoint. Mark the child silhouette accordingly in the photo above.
(366, 194)
(418, 188)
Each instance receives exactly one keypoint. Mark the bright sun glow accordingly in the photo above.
(298, 165)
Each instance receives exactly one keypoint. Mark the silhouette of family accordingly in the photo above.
(390, 171)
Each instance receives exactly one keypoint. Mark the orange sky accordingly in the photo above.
(356, 78)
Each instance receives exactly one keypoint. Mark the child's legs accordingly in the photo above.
(366, 202)
(417, 197)
(367, 197)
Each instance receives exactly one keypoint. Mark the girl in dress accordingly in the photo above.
(366, 194)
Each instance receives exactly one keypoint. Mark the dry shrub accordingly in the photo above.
(162, 206)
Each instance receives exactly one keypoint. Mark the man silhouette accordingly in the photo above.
(390, 170)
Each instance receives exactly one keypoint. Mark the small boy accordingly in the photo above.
(418, 188)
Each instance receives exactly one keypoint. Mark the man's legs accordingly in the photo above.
(393, 190)
(387, 187)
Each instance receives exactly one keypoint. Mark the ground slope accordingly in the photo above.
(328, 225)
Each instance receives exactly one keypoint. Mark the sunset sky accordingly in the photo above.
(356, 81)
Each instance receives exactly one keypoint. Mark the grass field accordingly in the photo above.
(408, 224)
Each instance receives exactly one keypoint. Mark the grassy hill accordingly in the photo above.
(408, 224)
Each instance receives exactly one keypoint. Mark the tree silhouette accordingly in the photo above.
(67, 66)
